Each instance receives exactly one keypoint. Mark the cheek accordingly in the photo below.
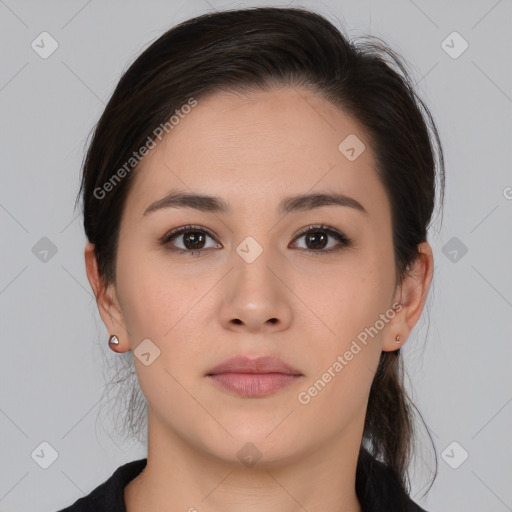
(349, 297)
(349, 307)
(157, 306)
(346, 355)
(148, 297)
(160, 305)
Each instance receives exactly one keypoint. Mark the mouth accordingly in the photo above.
(252, 378)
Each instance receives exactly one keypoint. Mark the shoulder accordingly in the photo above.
(378, 488)
(109, 495)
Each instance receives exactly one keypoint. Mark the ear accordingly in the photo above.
(412, 295)
(106, 300)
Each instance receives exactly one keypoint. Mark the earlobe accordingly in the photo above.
(413, 294)
(106, 297)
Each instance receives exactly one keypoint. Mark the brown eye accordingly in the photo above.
(192, 240)
(316, 239)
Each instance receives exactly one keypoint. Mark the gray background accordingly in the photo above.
(53, 342)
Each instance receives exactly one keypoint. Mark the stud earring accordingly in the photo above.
(113, 341)
(397, 338)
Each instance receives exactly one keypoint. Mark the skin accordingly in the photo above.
(253, 151)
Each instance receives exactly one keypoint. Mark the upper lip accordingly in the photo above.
(245, 364)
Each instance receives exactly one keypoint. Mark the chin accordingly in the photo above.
(256, 443)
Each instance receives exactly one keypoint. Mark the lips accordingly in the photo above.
(253, 377)
(259, 365)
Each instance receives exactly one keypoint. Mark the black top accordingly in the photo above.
(377, 489)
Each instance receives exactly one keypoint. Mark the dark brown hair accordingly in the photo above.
(258, 49)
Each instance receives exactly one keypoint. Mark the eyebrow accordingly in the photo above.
(207, 203)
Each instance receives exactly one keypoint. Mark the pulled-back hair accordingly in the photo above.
(260, 49)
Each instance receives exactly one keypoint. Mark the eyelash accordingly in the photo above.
(344, 241)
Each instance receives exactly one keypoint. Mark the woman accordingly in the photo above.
(256, 199)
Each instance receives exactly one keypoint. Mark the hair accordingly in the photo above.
(260, 49)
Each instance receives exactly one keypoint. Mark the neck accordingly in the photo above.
(180, 477)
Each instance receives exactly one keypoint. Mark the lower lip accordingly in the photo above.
(254, 384)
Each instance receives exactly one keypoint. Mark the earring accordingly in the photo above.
(113, 341)
(397, 338)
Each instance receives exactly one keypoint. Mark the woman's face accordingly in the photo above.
(255, 286)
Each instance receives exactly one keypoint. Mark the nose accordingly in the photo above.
(256, 297)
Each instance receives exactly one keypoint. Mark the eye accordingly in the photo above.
(192, 237)
(316, 239)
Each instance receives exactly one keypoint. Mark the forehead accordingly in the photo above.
(261, 146)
